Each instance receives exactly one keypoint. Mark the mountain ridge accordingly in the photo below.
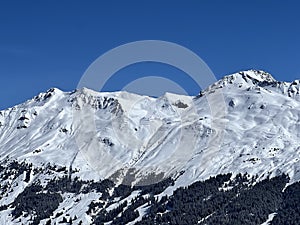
(115, 143)
(164, 108)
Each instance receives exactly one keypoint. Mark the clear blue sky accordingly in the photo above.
(46, 44)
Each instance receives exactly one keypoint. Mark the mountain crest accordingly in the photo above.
(249, 77)
(255, 80)
(257, 76)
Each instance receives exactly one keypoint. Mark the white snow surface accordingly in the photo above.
(245, 122)
(256, 132)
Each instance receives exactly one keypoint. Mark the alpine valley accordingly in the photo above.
(230, 155)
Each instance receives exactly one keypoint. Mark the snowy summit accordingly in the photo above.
(246, 123)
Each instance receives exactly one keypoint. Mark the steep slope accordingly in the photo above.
(245, 123)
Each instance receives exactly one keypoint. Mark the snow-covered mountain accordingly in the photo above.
(245, 123)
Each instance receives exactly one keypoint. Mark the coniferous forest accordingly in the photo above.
(223, 199)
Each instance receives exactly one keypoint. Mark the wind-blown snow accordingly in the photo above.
(167, 135)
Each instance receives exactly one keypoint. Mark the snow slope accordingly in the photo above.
(245, 122)
(167, 134)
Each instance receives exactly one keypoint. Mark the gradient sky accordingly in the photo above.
(46, 44)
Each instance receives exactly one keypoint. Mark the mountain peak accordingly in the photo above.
(251, 77)
(86, 149)
(258, 76)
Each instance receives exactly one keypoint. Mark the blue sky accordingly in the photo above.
(46, 44)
